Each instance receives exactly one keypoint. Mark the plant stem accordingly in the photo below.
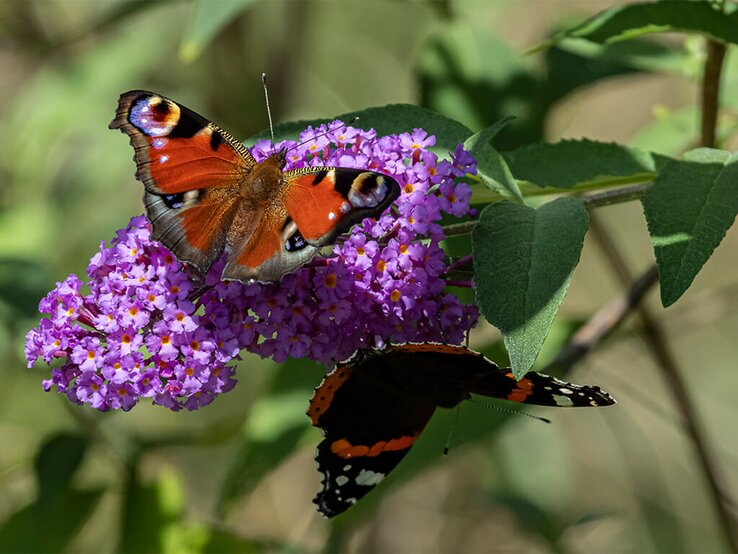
(606, 198)
(461, 262)
(529, 190)
(711, 91)
(609, 197)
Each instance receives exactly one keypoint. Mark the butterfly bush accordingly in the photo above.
(145, 326)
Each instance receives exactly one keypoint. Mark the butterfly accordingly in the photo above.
(372, 408)
(205, 194)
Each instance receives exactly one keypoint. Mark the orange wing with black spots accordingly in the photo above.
(373, 407)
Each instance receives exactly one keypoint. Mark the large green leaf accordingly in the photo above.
(209, 17)
(59, 508)
(466, 72)
(386, 120)
(524, 259)
(637, 54)
(571, 163)
(56, 462)
(690, 207)
(631, 20)
(48, 526)
(491, 166)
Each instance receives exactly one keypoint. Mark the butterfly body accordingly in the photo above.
(373, 407)
(206, 195)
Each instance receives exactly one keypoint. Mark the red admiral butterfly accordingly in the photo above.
(372, 407)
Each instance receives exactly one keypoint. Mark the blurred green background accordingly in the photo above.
(238, 475)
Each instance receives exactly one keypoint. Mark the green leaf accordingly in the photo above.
(524, 259)
(209, 17)
(386, 120)
(572, 163)
(638, 54)
(466, 72)
(632, 20)
(56, 463)
(493, 170)
(690, 207)
(61, 508)
(48, 526)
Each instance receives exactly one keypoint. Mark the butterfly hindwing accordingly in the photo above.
(274, 247)
(369, 425)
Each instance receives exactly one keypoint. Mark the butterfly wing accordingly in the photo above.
(191, 171)
(453, 372)
(325, 203)
(369, 424)
(312, 209)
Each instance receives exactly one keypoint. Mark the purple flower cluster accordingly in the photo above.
(149, 328)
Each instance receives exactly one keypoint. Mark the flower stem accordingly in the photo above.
(606, 198)
(467, 284)
(461, 262)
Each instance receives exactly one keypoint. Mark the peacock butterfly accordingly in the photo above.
(205, 194)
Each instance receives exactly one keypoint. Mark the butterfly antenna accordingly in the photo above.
(266, 98)
(329, 130)
(508, 410)
(451, 432)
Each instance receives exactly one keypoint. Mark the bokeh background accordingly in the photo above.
(238, 475)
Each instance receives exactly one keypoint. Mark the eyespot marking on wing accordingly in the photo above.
(154, 116)
(367, 190)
